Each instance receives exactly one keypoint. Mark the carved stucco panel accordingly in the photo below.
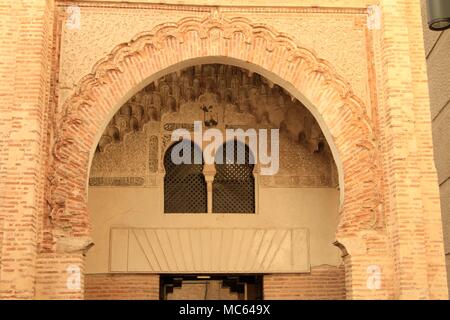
(127, 159)
(101, 30)
(338, 38)
(236, 99)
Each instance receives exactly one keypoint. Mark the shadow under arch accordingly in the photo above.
(245, 65)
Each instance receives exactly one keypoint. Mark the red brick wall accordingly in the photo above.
(121, 287)
(323, 283)
(26, 33)
(53, 274)
(413, 221)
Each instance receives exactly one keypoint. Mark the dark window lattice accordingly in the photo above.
(184, 185)
(234, 184)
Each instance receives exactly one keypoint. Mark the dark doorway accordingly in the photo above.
(211, 287)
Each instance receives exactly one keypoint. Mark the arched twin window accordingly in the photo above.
(233, 188)
(184, 184)
(234, 184)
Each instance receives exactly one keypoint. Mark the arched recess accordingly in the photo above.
(171, 46)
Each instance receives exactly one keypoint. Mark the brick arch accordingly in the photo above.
(132, 65)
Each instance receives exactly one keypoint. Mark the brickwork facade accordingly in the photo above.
(323, 283)
(121, 287)
(26, 52)
(390, 212)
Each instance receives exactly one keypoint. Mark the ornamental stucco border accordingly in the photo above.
(314, 81)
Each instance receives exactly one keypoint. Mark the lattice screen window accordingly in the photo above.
(184, 184)
(234, 183)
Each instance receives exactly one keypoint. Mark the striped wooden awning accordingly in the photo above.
(209, 250)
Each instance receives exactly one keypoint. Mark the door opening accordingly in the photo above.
(211, 287)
